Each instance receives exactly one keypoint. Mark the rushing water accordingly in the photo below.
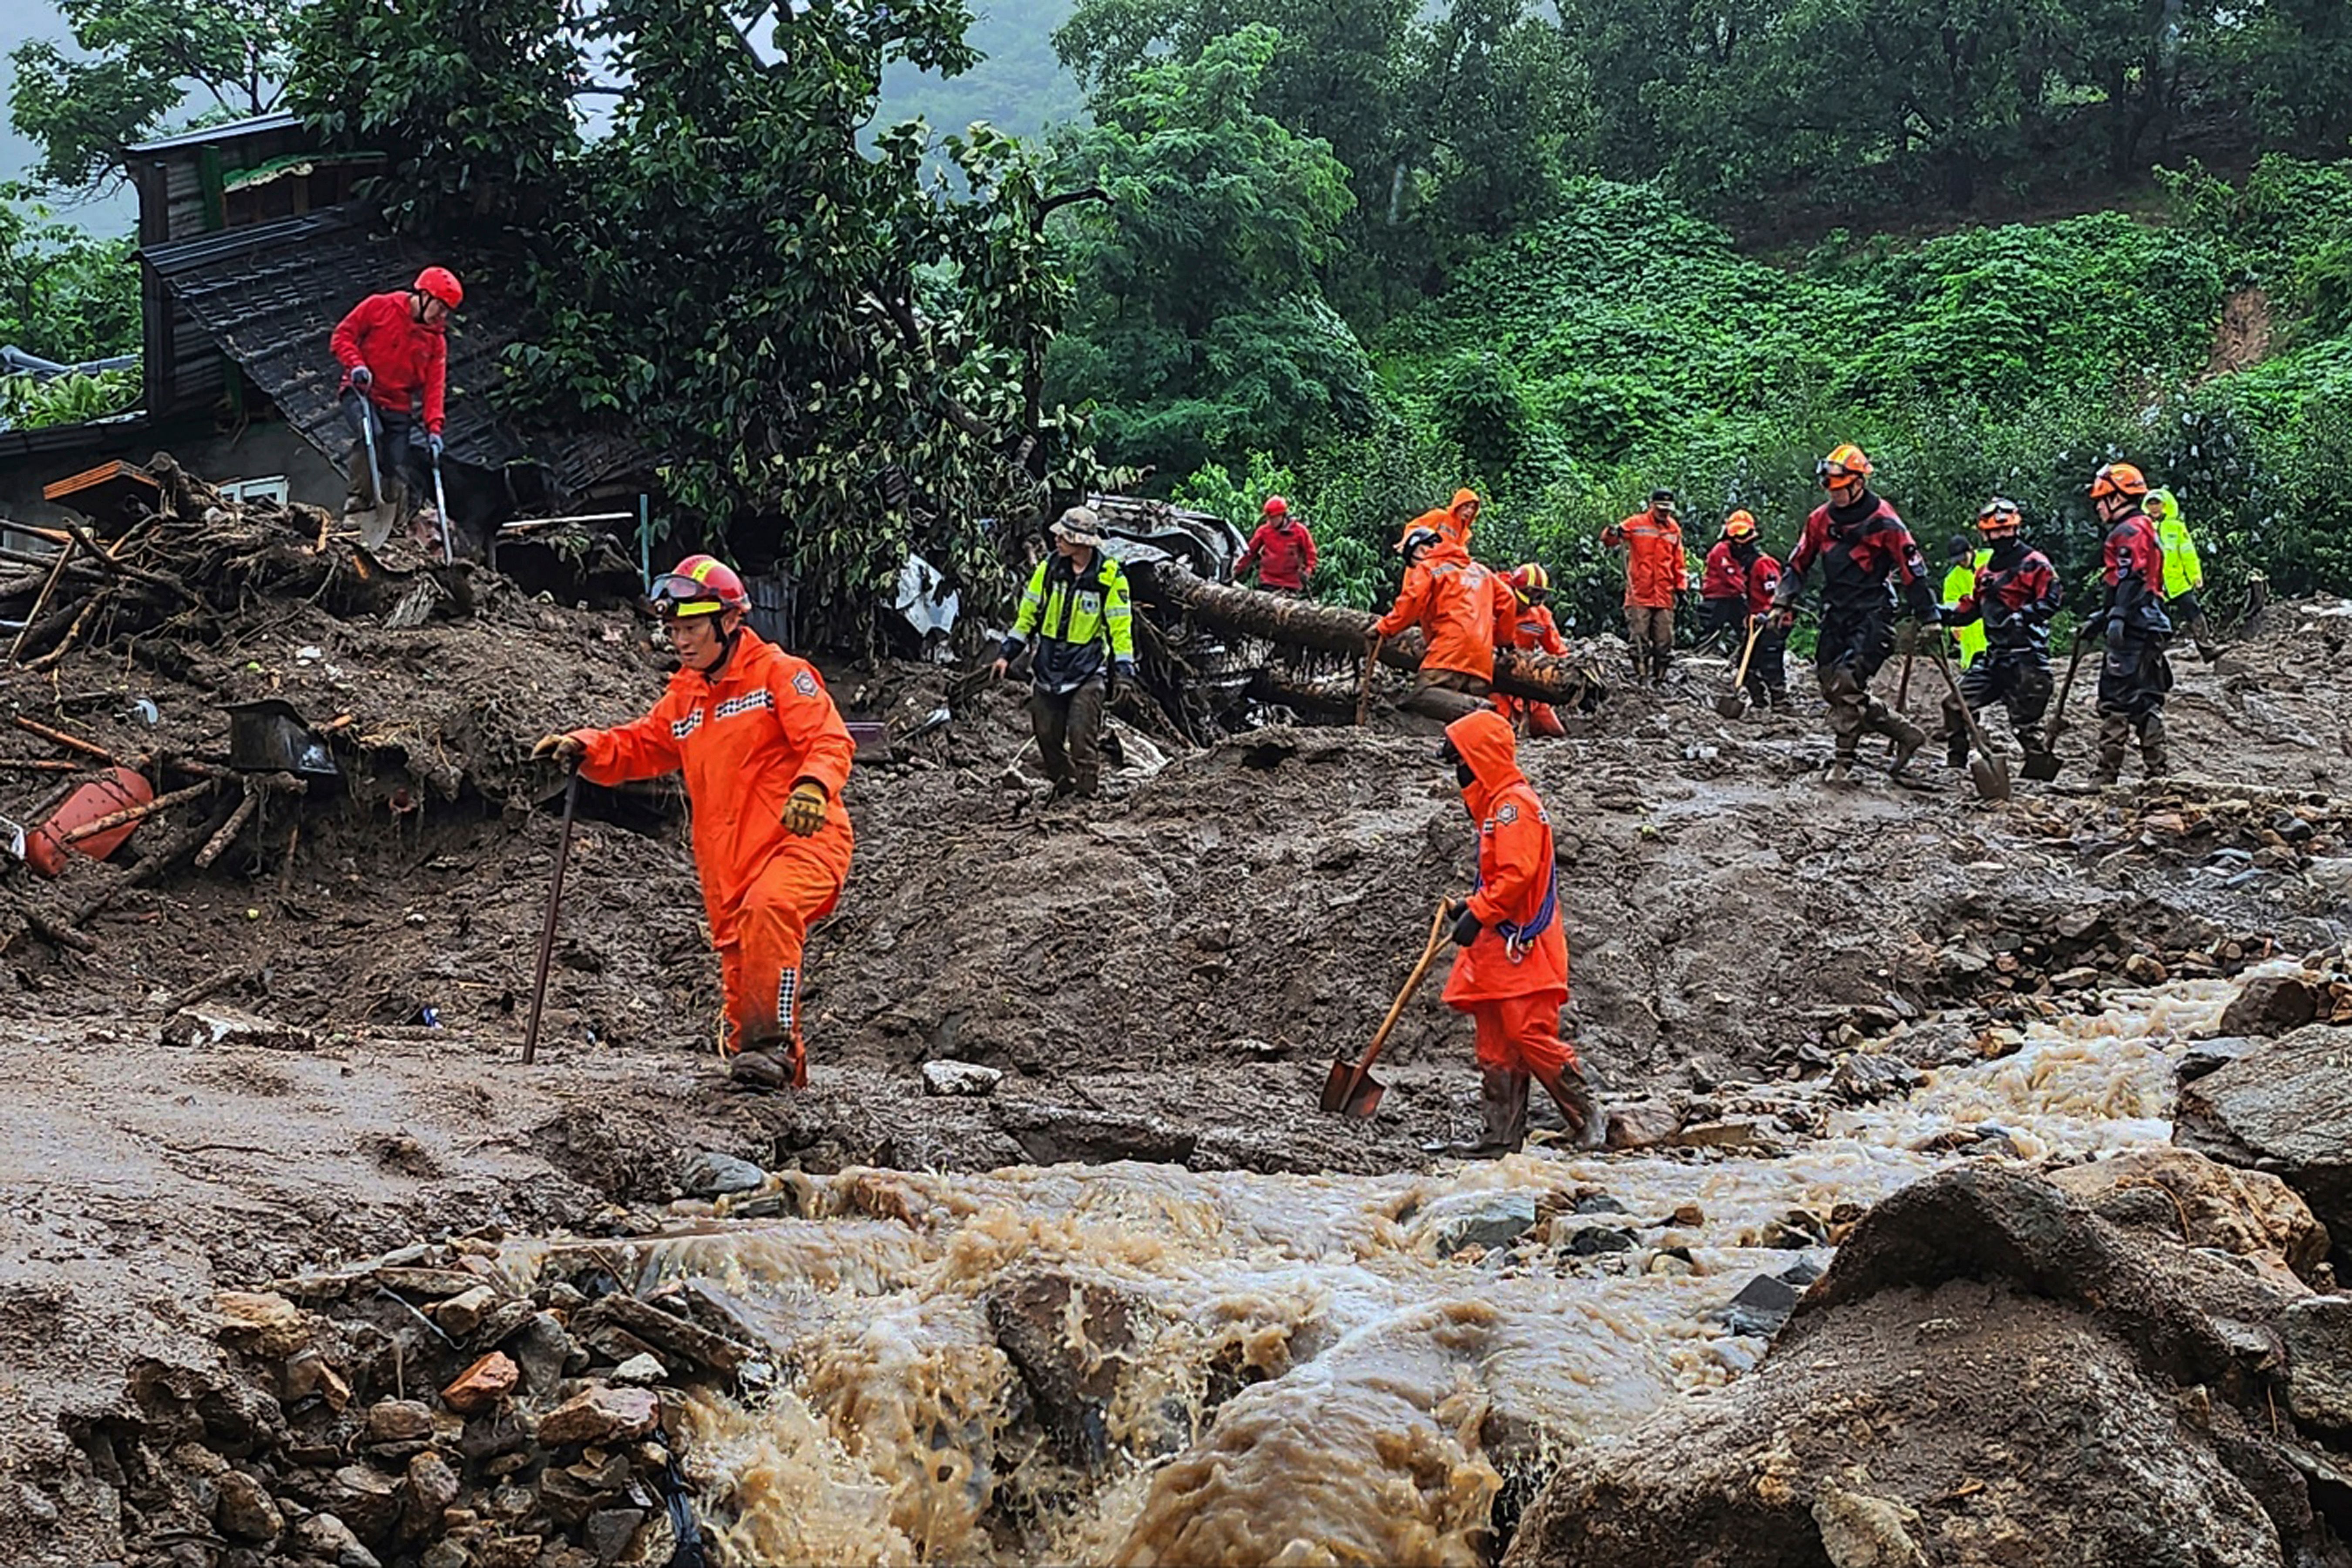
(1288, 1369)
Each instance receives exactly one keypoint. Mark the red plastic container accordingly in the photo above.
(45, 847)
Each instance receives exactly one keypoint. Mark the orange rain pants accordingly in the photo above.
(760, 967)
(1521, 1033)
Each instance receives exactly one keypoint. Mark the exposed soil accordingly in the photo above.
(1163, 977)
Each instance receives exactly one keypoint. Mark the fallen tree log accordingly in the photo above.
(1335, 628)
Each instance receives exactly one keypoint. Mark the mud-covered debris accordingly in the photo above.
(2318, 1333)
(968, 1079)
(1762, 1306)
(428, 1284)
(1641, 1124)
(394, 1421)
(482, 1384)
(604, 1414)
(685, 1343)
(1596, 1240)
(1744, 1135)
(711, 1175)
(609, 1532)
(209, 1028)
(245, 1511)
(543, 1349)
(2271, 1005)
(1067, 1338)
(261, 1323)
(2183, 1195)
(1459, 1221)
(1861, 1078)
(1859, 1531)
(461, 1314)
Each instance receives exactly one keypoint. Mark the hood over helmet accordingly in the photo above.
(1484, 741)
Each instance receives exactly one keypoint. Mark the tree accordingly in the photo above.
(63, 295)
(1200, 330)
(838, 359)
(144, 55)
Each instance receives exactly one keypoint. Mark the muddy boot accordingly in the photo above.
(1842, 768)
(1502, 1115)
(2113, 732)
(1955, 750)
(1588, 1129)
(759, 1071)
(2152, 752)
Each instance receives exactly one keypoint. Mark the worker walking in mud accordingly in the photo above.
(1864, 552)
(2133, 676)
(1758, 574)
(1511, 975)
(1723, 584)
(1532, 630)
(394, 351)
(2184, 573)
(766, 757)
(1075, 605)
(1282, 551)
(1657, 573)
(2010, 599)
(1461, 609)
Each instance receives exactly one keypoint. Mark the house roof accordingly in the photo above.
(229, 131)
(270, 296)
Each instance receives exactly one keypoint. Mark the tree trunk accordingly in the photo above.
(1335, 628)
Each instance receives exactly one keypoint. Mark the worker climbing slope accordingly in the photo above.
(2012, 597)
(1076, 609)
(1459, 606)
(766, 756)
(1511, 975)
(394, 351)
(2135, 675)
(1864, 552)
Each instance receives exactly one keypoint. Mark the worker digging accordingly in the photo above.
(393, 349)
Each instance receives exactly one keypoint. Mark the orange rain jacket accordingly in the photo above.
(1655, 567)
(1521, 949)
(1533, 630)
(742, 742)
(1448, 524)
(1459, 605)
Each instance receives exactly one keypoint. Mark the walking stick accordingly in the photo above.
(547, 929)
(1364, 691)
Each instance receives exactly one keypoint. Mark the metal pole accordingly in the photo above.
(547, 929)
(646, 539)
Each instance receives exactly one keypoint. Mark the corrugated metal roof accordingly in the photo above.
(271, 294)
(230, 131)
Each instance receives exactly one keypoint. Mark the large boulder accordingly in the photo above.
(1989, 1373)
(2284, 1107)
(2185, 1196)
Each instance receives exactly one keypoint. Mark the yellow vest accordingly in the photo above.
(1959, 583)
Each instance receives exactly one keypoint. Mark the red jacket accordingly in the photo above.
(1520, 950)
(1655, 569)
(405, 356)
(2133, 564)
(742, 740)
(1459, 605)
(1284, 556)
(1534, 631)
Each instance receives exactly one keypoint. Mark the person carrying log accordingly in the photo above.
(1460, 608)
(394, 351)
(1511, 975)
(766, 757)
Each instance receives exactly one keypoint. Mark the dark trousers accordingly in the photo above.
(2019, 678)
(1069, 725)
(1768, 670)
(396, 449)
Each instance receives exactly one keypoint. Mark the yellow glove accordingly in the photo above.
(804, 812)
(565, 749)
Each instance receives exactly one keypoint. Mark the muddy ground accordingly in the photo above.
(1165, 975)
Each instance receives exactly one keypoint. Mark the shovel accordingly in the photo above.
(376, 523)
(1734, 702)
(1351, 1089)
(547, 929)
(1987, 771)
(2041, 767)
(441, 511)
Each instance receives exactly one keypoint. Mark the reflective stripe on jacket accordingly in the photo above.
(1077, 617)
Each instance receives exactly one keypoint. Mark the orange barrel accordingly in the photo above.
(46, 845)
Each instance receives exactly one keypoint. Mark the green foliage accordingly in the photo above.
(27, 404)
(133, 66)
(1018, 85)
(1200, 331)
(63, 294)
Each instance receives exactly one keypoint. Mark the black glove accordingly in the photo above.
(1465, 926)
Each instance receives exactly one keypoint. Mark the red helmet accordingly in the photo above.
(442, 284)
(1276, 507)
(701, 586)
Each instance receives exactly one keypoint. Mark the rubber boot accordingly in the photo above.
(2113, 732)
(1956, 749)
(1842, 767)
(2153, 753)
(759, 1071)
(1587, 1128)
(1502, 1114)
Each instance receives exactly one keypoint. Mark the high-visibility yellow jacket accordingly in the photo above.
(1959, 583)
(1078, 617)
(2184, 571)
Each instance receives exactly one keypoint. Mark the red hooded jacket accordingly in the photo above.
(1460, 608)
(1283, 556)
(1520, 950)
(406, 357)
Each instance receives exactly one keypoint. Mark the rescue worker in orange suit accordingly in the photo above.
(765, 756)
(394, 351)
(1864, 552)
(1282, 550)
(1452, 522)
(1532, 630)
(1511, 975)
(2016, 594)
(2135, 675)
(1461, 608)
(1656, 574)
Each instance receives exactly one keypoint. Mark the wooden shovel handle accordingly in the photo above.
(1967, 712)
(1413, 984)
(1755, 628)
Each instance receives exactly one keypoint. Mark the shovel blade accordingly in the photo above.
(1336, 1099)
(1991, 777)
(1731, 704)
(374, 524)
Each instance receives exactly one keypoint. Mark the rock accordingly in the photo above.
(364, 1498)
(324, 1535)
(2318, 1334)
(2285, 1108)
(544, 1350)
(1642, 1124)
(430, 1487)
(1862, 1531)
(2203, 1056)
(307, 1373)
(1861, 1077)
(711, 1175)
(462, 1313)
(243, 1508)
(679, 1341)
(2250, 1214)
(261, 1324)
(1593, 1240)
(1739, 1136)
(604, 1414)
(1762, 1306)
(2081, 977)
(1597, 1203)
(446, 1555)
(488, 1438)
(1068, 1337)
(1689, 1217)
(207, 1027)
(1458, 1221)
(2271, 1005)
(2145, 969)
(610, 1532)
(1795, 1231)
(482, 1384)
(427, 1284)
(399, 1421)
(643, 1370)
(965, 1078)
